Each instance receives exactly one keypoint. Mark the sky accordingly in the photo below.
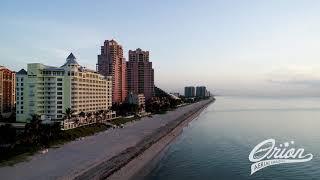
(234, 47)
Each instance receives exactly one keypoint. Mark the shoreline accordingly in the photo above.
(129, 162)
(101, 155)
(131, 170)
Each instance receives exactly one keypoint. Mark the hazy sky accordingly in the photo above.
(235, 47)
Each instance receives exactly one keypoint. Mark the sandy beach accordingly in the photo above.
(75, 159)
(133, 168)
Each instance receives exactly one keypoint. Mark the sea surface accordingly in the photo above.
(217, 144)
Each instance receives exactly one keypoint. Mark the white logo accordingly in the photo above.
(267, 154)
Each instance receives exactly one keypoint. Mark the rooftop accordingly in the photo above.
(71, 60)
(22, 72)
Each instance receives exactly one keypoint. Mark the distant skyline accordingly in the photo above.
(234, 47)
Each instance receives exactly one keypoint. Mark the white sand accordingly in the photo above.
(137, 164)
(73, 158)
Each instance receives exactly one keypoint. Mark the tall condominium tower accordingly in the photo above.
(48, 91)
(189, 91)
(201, 91)
(140, 74)
(7, 91)
(112, 63)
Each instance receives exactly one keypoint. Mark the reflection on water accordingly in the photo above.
(217, 145)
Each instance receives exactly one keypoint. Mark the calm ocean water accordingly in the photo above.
(218, 143)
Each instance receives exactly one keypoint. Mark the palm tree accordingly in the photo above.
(32, 129)
(69, 112)
(82, 114)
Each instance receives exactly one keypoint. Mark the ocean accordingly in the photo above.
(217, 144)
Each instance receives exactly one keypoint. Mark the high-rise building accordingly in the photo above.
(201, 91)
(112, 63)
(189, 91)
(21, 94)
(7, 91)
(48, 91)
(140, 74)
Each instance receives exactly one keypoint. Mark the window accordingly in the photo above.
(59, 102)
(59, 79)
(59, 93)
(59, 107)
(59, 84)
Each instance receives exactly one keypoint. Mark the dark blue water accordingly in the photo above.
(218, 143)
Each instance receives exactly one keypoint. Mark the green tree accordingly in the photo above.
(7, 134)
(68, 113)
(82, 114)
(32, 130)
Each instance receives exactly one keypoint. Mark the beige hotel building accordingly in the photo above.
(48, 91)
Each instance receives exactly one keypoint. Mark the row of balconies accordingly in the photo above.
(90, 81)
(78, 94)
(91, 89)
(89, 109)
(88, 106)
(91, 86)
(88, 102)
(88, 97)
(81, 97)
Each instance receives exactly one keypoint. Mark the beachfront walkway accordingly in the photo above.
(77, 156)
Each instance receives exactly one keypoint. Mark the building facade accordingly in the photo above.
(201, 91)
(7, 91)
(48, 91)
(140, 74)
(21, 95)
(189, 91)
(137, 99)
(112, 63)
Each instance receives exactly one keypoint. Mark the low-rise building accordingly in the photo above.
(174, 96)
(137, 99)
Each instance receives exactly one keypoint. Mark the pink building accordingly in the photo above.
(112, 63)
(140, 74)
